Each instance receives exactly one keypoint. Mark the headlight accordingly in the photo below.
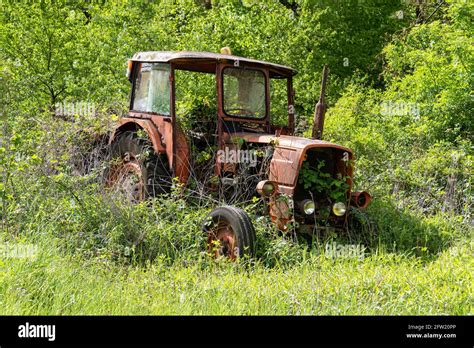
(308, 207)
(267, 188)
(339, 209)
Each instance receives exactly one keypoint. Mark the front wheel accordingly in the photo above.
(230, 233)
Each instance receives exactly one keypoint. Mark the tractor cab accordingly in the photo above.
(242, 102)
(243, 86)
(230, 151)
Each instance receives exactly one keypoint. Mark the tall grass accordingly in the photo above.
(57, 283)
(98, 254)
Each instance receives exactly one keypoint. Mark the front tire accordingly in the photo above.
(230, 233)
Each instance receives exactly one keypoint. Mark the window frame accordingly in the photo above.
(136, 66)
(266, 96)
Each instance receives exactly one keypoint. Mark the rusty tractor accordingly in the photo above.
(305, 184)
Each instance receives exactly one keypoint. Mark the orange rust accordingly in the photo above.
(289, 151)
(159, 130)
(121, 172)
(288, 156)
(280, 212)
(360, 199)
(223, 234)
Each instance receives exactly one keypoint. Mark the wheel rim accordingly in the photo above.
(222, 241)
(127, 178)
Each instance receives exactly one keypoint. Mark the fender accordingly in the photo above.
(126, 124)
(159, 130)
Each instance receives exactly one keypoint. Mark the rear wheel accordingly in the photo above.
(136, 171)
(230, 233)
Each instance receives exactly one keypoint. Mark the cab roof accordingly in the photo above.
(207, 61)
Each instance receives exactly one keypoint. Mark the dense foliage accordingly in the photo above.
(400, 95)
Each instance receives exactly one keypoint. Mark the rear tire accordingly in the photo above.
(135, 169)
(230, 233)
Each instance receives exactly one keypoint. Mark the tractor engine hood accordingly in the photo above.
(288, 156)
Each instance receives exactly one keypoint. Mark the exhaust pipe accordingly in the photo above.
(360, 199)
(320, 109)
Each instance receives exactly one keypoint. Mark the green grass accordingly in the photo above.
(55, 283)
(98, 255)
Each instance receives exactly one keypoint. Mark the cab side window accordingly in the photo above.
(152, 88)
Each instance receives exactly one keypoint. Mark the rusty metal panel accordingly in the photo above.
(207, 61)
(284, 166)
(159, 130)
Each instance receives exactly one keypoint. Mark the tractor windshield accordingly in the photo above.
(152, 88)
(244, 93)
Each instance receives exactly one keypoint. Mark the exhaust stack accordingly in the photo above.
(320, 108)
